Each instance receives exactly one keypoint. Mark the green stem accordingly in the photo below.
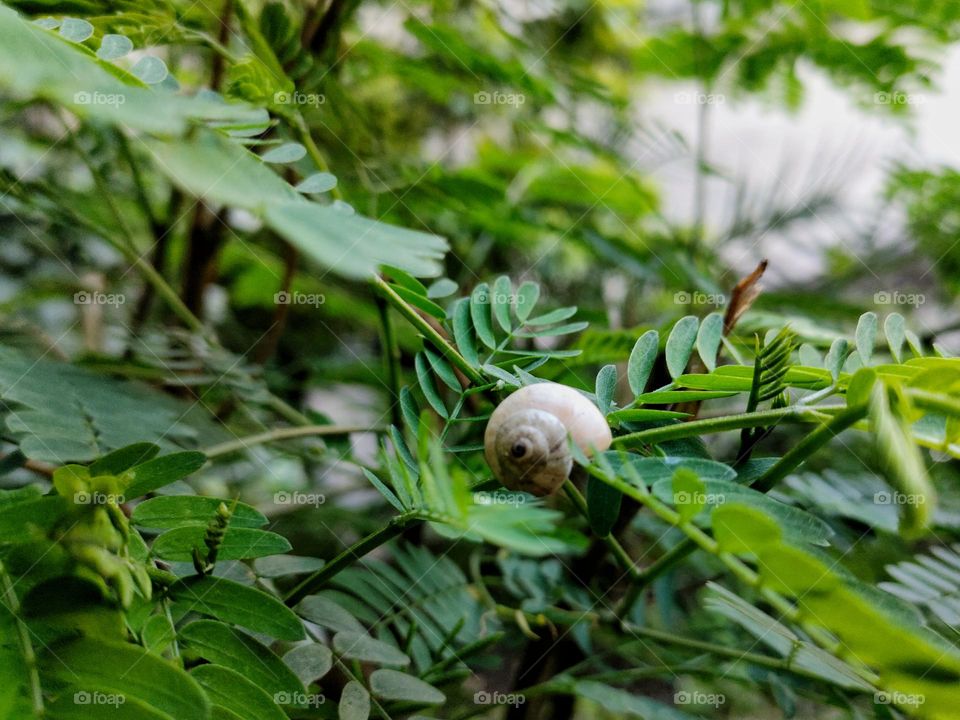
(762, 418)
(428, 331)
(391, 360)
(315, 581)
(285, 434)
(809, 445)
(12, 604)
(618, 551)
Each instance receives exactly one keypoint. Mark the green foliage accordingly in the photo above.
(267, 270)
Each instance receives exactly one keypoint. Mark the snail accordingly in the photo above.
(525, 442)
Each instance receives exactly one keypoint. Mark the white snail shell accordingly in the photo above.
(525, 442)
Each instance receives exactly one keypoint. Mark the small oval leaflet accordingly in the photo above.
(286, 153)
(75, 29)
(317, 183)
(151, 70)
(113, 47)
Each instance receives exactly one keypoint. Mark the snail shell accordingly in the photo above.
(525, 442)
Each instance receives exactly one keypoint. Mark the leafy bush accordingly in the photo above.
(257, 323)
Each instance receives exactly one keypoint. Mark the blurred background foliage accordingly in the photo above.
(516, 130)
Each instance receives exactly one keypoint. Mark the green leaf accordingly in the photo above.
(603, 506)
(554, 316)
(229, 689)
(527, 295)
(394, 685)
(151, 70)
(421, 302)
(75, 30)
(642, 358)
(480, 314)
(114, 47)
(327, 613)
(894, 330)
(172, 511)
(708, 339)
(741, 529)
(680, 344)
(904, 464)
(443, 370)
(238, 604)
(501, 301)
(90, 665)
(463, 333)
(645, 415)
(320, 182)
(309, 662)
(360, 646)
(354, 702)
(867, 335)
(286, 153)
(123, 459)
(835, 357)
(285, 565)
(606, 386)
(160, 471)
(441, 288)
(233, 649)
(238, 544)
(354, 246)
(669, 397)
(688, 493)
(428, 388)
